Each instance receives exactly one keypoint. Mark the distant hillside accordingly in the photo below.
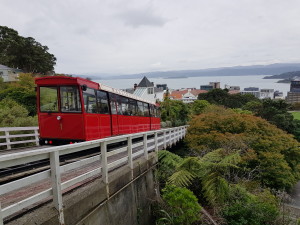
(285, 76)
(272, 69)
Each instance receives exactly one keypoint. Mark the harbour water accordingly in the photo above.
(195, 82)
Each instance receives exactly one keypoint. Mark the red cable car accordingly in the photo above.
(73, 109)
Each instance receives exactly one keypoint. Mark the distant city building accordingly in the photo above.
(232, 88)
(187, 95)
(293, 96)
(266, 93)
(206, 87)
(278, 95)
(9, 74)
(145, 89)
(252, 91)
(163, 86)
(210, 86)
(215, 84)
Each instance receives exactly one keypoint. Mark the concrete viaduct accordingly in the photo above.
(115, 186)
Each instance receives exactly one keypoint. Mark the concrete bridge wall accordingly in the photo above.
(124, 201)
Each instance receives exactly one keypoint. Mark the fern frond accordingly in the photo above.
(168, 158)
(213, 156)
(233, 158)
(182, 178)
(193, 164)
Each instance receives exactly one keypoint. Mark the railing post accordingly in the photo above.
(165, 140)
(145, 147)
(36, 137)
(105, 166)
(7, 140)
(1, 217)
(156, 145)
(56, 185)
(170, 138)
(130, 159)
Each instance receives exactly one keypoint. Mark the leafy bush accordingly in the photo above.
(169, 123)
(181, 206)
(245, 208)
(163, 124)
(13, 114)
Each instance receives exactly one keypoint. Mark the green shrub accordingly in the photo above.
(245, 208)
(182, 206)
(163, 124)
(13, 114)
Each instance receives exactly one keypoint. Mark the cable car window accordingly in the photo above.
(119, 104)
(102, 101)
(140, 109)
(69, 99)
(152, 108)
(132, 107)
(90, 104)
(48, 99)
(125, 106)
(157, 110)
(146, 109)
(112, 101)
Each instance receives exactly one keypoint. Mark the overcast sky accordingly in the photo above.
(135, 36)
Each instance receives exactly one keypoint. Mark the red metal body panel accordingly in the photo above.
(71, 126)
(97, 126)
(115, 124)
(155, 123)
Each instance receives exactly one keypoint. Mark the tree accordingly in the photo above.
(198, 106)
(175, 111)
(24, 53)
(261, 144)
(222, 97)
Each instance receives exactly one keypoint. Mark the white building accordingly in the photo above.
(266, 93)
(145, 89)
(8, 74)
(255, 93)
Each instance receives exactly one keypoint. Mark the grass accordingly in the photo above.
(296, 115)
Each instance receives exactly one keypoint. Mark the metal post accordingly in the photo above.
(56, 185)
(104, 166)
(156, 146)
(36, 133)
(7, 140)
(145, 147)
(170, 138)
(165, 140)
(130, 159)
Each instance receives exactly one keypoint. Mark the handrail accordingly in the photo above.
(158, 139)
(8, 136)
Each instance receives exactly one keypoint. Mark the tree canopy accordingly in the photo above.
(265, 149)
(24, 52)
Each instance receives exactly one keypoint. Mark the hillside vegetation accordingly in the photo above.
(239, 159)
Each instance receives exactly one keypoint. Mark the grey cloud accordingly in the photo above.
(145, 17)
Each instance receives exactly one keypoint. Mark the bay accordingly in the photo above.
(195, 82)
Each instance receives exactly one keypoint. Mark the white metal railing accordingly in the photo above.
(10, 138)
(120, 156)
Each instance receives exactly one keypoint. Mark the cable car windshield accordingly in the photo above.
(69, 99)
(48, 99)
